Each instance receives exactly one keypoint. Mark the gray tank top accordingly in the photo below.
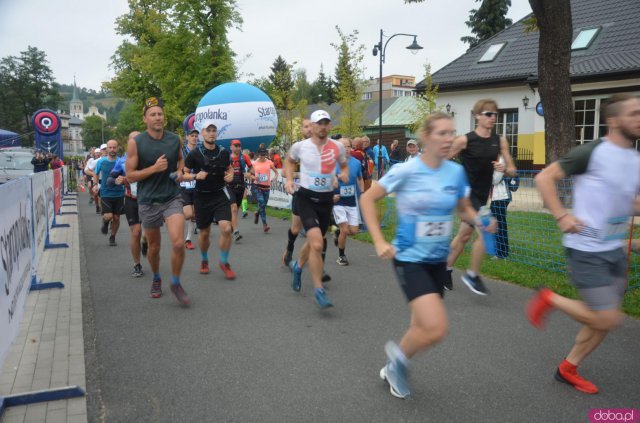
(159, 187)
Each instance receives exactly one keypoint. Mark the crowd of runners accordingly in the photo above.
(190, 186)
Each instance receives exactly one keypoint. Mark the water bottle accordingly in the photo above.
(489, 239)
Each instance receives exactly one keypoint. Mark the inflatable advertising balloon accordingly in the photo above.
(239, 111)
(47, 131)
(188, 122)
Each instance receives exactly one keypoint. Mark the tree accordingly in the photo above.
(95, 131)
(348, 77)
(555, 25)
(26, 85)
(176, 49)
(302, 87)
(425, 101)
(322, 89)
(282, 84)
(487, 21)
(129, 120)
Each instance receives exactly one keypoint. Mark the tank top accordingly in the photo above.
(477, 161)
(157, 188)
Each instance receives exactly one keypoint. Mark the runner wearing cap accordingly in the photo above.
(261, 176)
(188, 189)
(211, 166)
(241, 163)
(154, 160)
(318, 156)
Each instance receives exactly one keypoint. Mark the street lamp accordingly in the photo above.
(380, 48)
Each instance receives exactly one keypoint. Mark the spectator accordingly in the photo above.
(56, 163)
(275, 158)
(396, 155)
(379, 151)
(413, 150)
(500, 199)
(40, 162)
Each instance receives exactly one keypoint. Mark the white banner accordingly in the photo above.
(49, 197)
(39, 199)
(15, 250)
(278, 197)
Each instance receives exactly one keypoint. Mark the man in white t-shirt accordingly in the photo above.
(606, 176)
(90, 171)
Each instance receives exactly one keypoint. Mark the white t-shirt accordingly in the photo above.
(318, 163)
(606, 180)
(91, 164)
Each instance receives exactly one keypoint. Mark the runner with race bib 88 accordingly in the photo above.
(318, 156)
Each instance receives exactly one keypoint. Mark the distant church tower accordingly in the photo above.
(75, 105)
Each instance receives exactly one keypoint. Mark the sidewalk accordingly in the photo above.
(49, 351)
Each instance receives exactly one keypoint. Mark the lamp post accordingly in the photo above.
(381, 48)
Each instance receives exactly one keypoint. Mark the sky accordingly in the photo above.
(79, 39)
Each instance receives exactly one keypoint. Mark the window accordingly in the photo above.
(507, 126)
(589, 125)
(367, 96)
(492, 52)
(398, 93)
(584, 39)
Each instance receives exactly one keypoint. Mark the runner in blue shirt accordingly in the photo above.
(426, 192)
(345, 208)
(111, 197)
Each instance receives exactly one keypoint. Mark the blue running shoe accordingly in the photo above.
(395, 372)
(322, 299)
(296, 276)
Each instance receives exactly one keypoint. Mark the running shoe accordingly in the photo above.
(178, 291)
(395, 372)
(244, 215)
(448, 282)
(236, 236)
(265, 228)
(90, 200)
(188, 245)
(336, 235)
(342, 261)
(228, 273)
(137, 271)
(325, 277)
(204, 267)
(568, 373)
(156, 289)
(296, 276)
(105, 227)
(475, 284)
(256, 216)
(112, 241)
(286, 258)
(144, 247)
(539, 307)
(321, 298)
(97, 209)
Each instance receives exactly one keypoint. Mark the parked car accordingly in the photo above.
(15, 163)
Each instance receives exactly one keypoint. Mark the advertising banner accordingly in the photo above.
(57, 190)
(278, 196)
(15, 250)
(49, 197)
(47, 126)
(39, 201)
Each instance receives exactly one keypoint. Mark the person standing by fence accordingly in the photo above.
(500, 199)
(606, 175)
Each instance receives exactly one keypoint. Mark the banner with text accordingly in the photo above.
(278, 196)
(15, 250)
(39, 200)
(49, 197)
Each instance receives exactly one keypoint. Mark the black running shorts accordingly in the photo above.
(212, 205)
(112, 205)
(187, 196)
(315, 209)
(131, 211)
(236, 193)
(418, 279)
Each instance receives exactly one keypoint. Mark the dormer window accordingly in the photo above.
(585, 38)
(492, 52)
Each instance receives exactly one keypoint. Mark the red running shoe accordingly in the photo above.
(539, 307)
(265, 228)
(188, 245)
(156, 289)
(182, 297)
(568, 373)
(228, 273)
(204, 267)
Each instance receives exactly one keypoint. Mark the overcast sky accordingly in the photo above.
(79, 38)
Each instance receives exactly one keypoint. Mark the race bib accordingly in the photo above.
(188, 184)
(134, 189)
(431, 229)
(347, 191)
(263, 177)
(321, 181)
(616, 228)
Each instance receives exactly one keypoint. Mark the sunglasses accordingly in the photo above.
(489, 114)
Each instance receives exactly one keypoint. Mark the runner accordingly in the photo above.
(345, 209)
(188, 190)
(318, 156)
(426, 192)
(241, 164)
(89, 170)
(111, 197)
(606, 182)
(247, 183)
(211, 166)
(479, 151)
(261, 174)
(152, 157)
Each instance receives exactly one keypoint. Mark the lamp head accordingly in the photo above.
(414, 47)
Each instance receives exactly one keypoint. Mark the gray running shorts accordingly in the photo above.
(600, 277)
(153, 215)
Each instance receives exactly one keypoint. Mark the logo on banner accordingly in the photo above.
(188, 123)
(46, 122)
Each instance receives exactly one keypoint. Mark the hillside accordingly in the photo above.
(102, 99)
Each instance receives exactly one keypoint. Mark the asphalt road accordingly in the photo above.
(252, 350)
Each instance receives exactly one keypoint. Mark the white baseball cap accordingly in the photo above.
(103, 147)
(318, 115)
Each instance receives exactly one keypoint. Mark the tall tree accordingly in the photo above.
(281, 80)
(348, 77)
(555, 25)
(26, 85)
(487, 21)
(425, 101)
(302, 87)
(177, 49)
(322, 89)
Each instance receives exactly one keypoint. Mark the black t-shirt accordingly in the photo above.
(477, 161)
(215, 162)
